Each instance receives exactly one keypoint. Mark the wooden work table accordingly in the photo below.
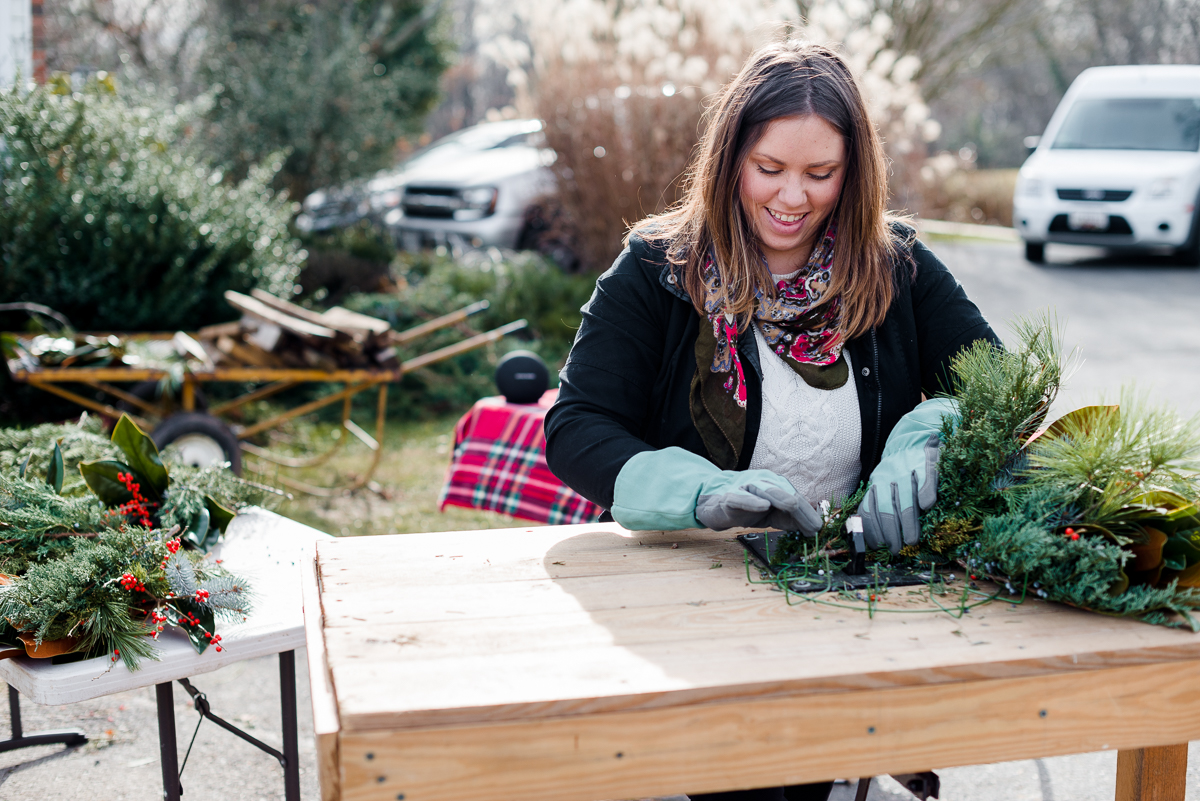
(576, 663)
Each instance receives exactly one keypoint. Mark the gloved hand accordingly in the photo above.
(673, 489)
(905, 481)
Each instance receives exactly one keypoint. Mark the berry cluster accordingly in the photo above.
(139, 507)
(132, 583)
(1072, 533)
(201, 596)
(116, 654)
(214, 640)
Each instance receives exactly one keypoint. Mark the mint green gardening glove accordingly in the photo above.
(905, 481)
(672, 489)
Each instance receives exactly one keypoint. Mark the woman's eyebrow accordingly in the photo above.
(773, 160)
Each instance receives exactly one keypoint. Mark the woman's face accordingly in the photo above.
(790, 183)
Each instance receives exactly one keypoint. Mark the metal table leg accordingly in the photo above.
(67, 737)
(168, 754)
(289, 758)
(291, 748)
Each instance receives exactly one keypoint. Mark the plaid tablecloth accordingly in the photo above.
(499, 464)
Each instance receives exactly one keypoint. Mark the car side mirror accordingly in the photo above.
(1031, 143)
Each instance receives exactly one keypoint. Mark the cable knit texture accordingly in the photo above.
(812, 437)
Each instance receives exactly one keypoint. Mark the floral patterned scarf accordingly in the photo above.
(803, 334)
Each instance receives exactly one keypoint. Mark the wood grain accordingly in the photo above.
(1152, 774)
(584, 662)
(718, 747)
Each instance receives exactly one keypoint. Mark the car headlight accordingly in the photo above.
(1029, 187)
(482, 198)
(1162, 187)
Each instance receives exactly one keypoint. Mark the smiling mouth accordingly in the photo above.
(787, 218)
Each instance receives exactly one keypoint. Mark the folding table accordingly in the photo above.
(262, 547)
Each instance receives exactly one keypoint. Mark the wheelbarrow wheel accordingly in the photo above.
(201, 440)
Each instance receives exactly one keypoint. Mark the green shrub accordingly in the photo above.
(108, 215)
(517, 285)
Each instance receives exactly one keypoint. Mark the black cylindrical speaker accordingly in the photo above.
(522, 377)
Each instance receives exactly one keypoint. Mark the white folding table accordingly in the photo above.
(260, 546)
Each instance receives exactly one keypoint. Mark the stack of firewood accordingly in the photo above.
(276, 333)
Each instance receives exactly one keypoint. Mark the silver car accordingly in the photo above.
(472, 188)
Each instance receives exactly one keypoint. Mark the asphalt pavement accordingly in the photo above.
(1134, 320)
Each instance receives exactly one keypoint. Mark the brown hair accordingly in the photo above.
(784, 79)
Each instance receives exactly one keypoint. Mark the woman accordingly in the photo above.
(710, 381)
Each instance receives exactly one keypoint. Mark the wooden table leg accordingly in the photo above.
(1152, 774)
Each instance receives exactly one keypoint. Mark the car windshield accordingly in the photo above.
(478, 138)
(1141, 123)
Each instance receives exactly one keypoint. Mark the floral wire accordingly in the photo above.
(782, 583)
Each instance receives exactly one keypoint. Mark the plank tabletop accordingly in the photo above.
(520, 625)
(262, 547)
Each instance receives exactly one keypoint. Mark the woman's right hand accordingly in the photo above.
(673, 489)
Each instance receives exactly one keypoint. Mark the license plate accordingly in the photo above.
(1087, 220)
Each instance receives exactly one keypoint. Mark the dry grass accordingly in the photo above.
(410, 476)
(970, 196)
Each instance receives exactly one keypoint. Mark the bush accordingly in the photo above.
(107, 215)
(518, 285)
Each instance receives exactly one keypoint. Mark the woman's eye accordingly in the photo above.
(824, 177)
(765, 171)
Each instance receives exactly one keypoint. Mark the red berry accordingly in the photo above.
(218, 649)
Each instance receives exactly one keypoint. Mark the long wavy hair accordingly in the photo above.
(784, 79)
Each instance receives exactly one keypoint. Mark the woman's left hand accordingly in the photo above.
(905, 481)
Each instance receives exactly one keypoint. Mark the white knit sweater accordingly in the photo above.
(812, 437)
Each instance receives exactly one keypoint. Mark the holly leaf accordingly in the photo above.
(54, 472)
(143, 456)
(101, 478)
(183, 612)
(221, 515)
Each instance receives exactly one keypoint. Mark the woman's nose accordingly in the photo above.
(793, 193)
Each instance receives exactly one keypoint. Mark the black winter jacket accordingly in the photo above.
(625, 385)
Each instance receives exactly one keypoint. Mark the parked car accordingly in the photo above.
(474, 187)
(1118, 165)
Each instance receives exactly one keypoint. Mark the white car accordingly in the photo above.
(472, 187)
(1118, 165)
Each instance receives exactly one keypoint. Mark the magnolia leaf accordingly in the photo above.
(143, 456)
(1121, 584)
(23, 467)
(101, 478)
(1081, 421)
(221, 516)
(197, 530)
(54, 471)
(1190, 577)
(1147, 555)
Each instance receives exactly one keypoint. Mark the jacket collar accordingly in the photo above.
(672, 282)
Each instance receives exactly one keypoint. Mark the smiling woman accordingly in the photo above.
(750, 352)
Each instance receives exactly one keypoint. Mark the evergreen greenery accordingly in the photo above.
(104, 563)
(1100, 510)
(109, 213)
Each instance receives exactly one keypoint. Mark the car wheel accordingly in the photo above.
(1035, 252)
(1189, 254)
(201, 440)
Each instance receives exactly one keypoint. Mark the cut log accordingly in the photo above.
(310, 332)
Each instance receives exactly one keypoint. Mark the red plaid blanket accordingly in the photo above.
(499, 464)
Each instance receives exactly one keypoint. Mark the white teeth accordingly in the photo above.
(787, 218)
